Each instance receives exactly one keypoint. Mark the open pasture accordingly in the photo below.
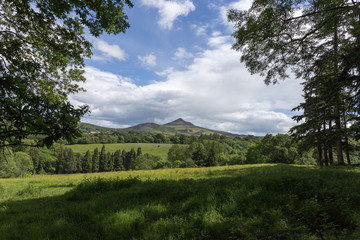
(237, 202)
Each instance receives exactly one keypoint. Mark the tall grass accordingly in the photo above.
(238, 202)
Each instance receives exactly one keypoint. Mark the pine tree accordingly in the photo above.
(78, 162)
(95, 160)
(102, 159)
(129, 158)
(70, 161)
(123, 158)
(118, 161)
(86, 162)
(60, 161)
(138, 152)
(108, 164)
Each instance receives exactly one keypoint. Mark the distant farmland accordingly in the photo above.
(156, 149)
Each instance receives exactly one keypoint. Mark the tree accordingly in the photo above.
(275, 36)
(95, 160)
(253, 155)
(129, 158)
(138, 152)
(78, 162)
(60, 162)
(102, 160)
(198, 153)
(70, 161)
(109, 162)
(86, 162)
(42, 51)
(118, 161)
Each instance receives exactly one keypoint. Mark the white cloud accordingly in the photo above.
(166, 72)
(169, 11)
(148, 60)
(214, 91)
(108, 51)
(239, 5)
(181, 53)
(200, 30)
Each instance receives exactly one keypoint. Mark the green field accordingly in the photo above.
(156, 149)
(237, 202)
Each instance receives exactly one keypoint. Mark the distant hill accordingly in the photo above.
(91, 128)
(179, 126)
(144, 126)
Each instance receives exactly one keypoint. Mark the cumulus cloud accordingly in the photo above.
(166, 72)
(169, 11)
(200, 30)
(108, 51)
(214, 91)
(148, 60)
(181, 53)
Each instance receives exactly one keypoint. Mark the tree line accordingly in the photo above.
(96, 161)
(60, 159)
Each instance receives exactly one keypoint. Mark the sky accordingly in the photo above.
(176, 61)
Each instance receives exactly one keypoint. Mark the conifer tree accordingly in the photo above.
(102, 159)
(138, 152)
(78, 162)
(70, 161)
(95, 160)
(108, 164)
(118, 161)
(60, 161)
(130, 157)
(123, 158)
(86, 162)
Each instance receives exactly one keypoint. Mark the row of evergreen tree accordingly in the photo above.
(98, 161)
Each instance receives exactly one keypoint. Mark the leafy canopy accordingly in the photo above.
(42, 51)
(277, 35)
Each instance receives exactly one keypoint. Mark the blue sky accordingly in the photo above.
(176, 61)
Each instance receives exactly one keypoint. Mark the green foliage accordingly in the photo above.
(253, 155)
(95, 160)
(25, 163)
(162, 164)
(8, 167)
(317, 41)
(42, 52)
(267, 202)
(86, 162)
(145, 161)
(280, 148)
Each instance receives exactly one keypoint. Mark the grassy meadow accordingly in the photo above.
(233, 202)
(156, 149)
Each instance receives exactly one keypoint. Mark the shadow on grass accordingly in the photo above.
(280, 202)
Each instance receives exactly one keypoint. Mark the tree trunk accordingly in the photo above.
(331, 156)
(346, 137)
(325, 144)
(319, 155)
(339, 149)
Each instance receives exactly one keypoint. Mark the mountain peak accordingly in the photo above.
(180, 121)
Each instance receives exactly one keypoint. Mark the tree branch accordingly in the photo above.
(322, 11)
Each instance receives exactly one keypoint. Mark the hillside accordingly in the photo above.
(178, 126)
